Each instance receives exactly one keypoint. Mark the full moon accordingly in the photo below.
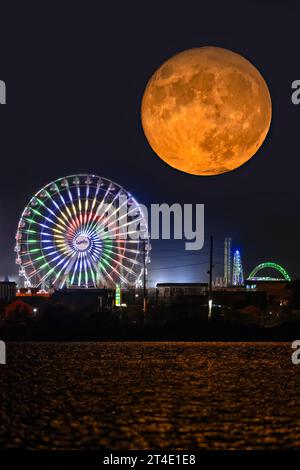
(206, 111)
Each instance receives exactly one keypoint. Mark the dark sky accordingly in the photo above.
(75, 77)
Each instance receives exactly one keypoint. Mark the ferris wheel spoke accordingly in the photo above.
(41, 268)
(56, 205)
(74, 217)
(40, 224)
(123, 279)
(65, 270)
(90, 232)
(132, 211)
(91, 270)
(126, 258)
(79, 204)
(117, 221)
(136, 252)
(114, 229)
(75, 268)
(122, 217)
(98, 271)
(99, 206)
(67, 216)
(86, 274)
(110, 205)
(80, 270)
(45, 277)
(93, 206)
(114, 260)
(115, 211)
(60, 219)
(86, 205)
(92, 266)
(131, 263)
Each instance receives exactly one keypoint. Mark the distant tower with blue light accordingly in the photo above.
(237, 272)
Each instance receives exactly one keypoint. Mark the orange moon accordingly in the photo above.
(206, 111)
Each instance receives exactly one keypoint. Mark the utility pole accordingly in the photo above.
(210, 300)
(144, 279)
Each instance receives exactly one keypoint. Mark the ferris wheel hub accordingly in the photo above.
(82, 242)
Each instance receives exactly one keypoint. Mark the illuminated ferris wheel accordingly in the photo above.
(83, 231)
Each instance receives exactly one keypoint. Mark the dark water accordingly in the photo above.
(149, 396)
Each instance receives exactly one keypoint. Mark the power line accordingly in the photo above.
(177, 266)
(182, 266)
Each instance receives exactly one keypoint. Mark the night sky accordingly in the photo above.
(75, 78)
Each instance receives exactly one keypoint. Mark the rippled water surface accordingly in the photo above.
(149, 396)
